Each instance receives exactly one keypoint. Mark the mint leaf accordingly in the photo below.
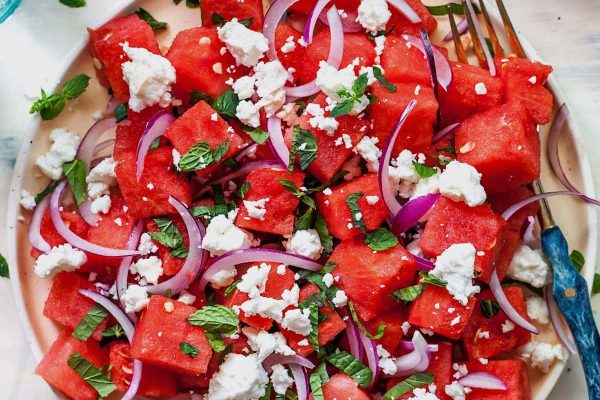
(408, 385)
(408, 293)
(316, 380)
(4, 267)
(304, 144)
(49, 107)
(168, 234)
(240, 192)
(226, 103)
(114, 331)
(154, 24)
(75, 86)
(257, 135)
(349, 365)
(197, 96)
(180, 252)
(423, 170)
(577, 259)
(221, 207)
(217, 19)
(381, 239)
(188, 350)
(91, 375)
(121, 113)
(217, 319)
(215, 341)
(47, 190)
(291, 187)
(430, 279)
(489, 308)
(342, 108)
(360, 85)
(73, 3)
(357, 220)
(200, 156)
(192, 3)
(324, 236)
(384, 82)
(380, 328)
(313, 336)
(90, 322)
(75, 173)
(231, 289)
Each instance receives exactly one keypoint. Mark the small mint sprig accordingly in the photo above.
(51, 106)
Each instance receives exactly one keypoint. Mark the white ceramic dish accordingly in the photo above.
(577, 220)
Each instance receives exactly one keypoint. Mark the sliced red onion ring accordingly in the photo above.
(415, 361)
(406, 345)
(157, 125)
(558, 322)
(406, 10)
(442, 66)
(311, 22)
(87, 146)
(336, 52)
(370, 347)
(104, 145)
(528, 236)
(510, 211)
(430, 58)
(479, 30)
(123, 273)
(246, 151)
(462, 27)
(508, 308)
(389, 197)
(76, 241)
(353, 334)
(412, 212)
(196, 256)
(34, 232)
(301, 381)
(482, 380)
(275, 13)
(275, 358)
(129, 330)
(277, 142)
(349, 23)
(424, 264)
(257, 255)
(446, 131)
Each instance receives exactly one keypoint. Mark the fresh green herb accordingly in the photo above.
(304, 144)
(192, 3)
(417, 380)
(215, 341)
(381, 239)
(188, 350)
(47, 190)
(228, 349)
(313, 336)
(246, 22)
(577, 260)
(268, 390)
(115, 331)
(384, 82)
(75, 173)
(226, 103)
(430, 279)
(197, 96)
(231, 288)
(169, 293)
(349, 365)
(217, 19)
(155, 143)
(221, 207)
(168, 234)
(423, 170)
(489, 308)
(200, 156)
(73, 3)
(380, 328)
(449, 149)
(257, 135)
(357, 220)
(443, 160)
(231, 163)
(154, 24)
(121, 112)
(240, 192)
(306, 219)
(380, 33)
(408, 293)
(180, 252)
(596, 284)
(90, 322)
(490, 47)
(291, 187)
(316, 380)
(91, 375)
(4, 267)
(324, 236)
(50, 106)
(358, 91)
(443, 9)
(218, 319)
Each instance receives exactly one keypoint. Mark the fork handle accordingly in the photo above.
(570, 291)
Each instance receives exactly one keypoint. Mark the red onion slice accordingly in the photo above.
(389, 197)
(479, 30)
(424, 264)
(353, 335)
(196, 256)
(257, 255)
(558, 323)
(349, 23)
(412, 212)
(275, 358)
(301, 381)
(275, 13)
(87, 146)
(157, 125)
(462, 27)
(406, 10)
(442, 66)
(508, 308)
(276, 141)
(370, 347)
(444, 132)
(510, 211)
(311, 22)
(104, 145)
(123, 273)
(129, 330)
(246, 151)
(336, 52)
(482, 380)
(528, 236)
(76, 241)
(415, 361)
(34, 232)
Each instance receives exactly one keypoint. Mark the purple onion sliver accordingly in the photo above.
(442, 66)
(353, 335)
(412, 212)
(123, 272)
(104, 145)
(370, 348)
(34, 231)
(246, 151)
(424, 264)
(406, 10)
(428, 47)
(415, 361)
(311, 22)
(462, 28)
(444, 132)
(275, 358)
(301, 381)
(349, 23)
(528, 236)
(479, 30)
(507, 307)
(560, 327)
(276, 141)
(157, 125)
(482, 380)
(88, 144)
(510, 211)
(275, 13)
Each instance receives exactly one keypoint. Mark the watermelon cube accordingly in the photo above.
(202, 124)
(500, 201)
(199, 64)
(403, 26)
(279, 216)
(436, 310)
(50, 235)
(291, 58)
(513, 373)
(417, 131)
(452, 222)
(502, 144)
(55, 370)
(306, 6)
(512, 241)
(64, 303)
(159, 333)
(370, 277)
(328, 329)
(404, 63)
(107, 50)
(171, 264)
(230, 9)
(392, 336)
(489, 337)
(341, 386)
(337, 213)
(156, 382)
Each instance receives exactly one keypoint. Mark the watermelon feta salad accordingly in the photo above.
(293, 208)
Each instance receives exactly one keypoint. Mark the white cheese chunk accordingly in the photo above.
(462, 182)
(60, 258)
(305, 242)
(298, 321)
(373, 15)
(529, 266)
(239, 378)
(63, 149)
(27, 200)
(245, 45)
(537, 309)
(135, 298)
(223, 236)
(455, 266)
(542, 355)
(280, 379)
(148, 268)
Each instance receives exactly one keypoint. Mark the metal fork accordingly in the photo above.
(569, 288)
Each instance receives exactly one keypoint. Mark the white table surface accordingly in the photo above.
(39, 36)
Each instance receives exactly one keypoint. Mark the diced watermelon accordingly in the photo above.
(500, 201)
(170, 264)
(331, 156)
(197, 125)
(404, 63)
(369, 277)
(337, 213)
(402, 25)
(156, 382)
(498, 340)
(431, 310)
(502, 144)
(50, 235)
(452, 222)
(417, 131)
(328, 329)
(199, 63)
(513, 373)
(290, 59)
(275, 286)
(462, 100)
(306, 6)
(512, 241)
(279, 217)
(64, 303)
(106, 47)
(341, 386)
(230, 9)
(392, 335)
(55, 370)
(159, 333)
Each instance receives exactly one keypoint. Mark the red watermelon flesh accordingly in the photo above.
(294, 58)
(404, 63)
(230, 9)
(500, 201)
(306, 6)
(392, 335)
(403, 26)
(341, 386)
(513, 373)
(511, 243)
(73, 221)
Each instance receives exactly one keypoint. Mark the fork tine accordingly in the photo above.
(473, 31)
(460, 51)
(513, 39)
(491, 31)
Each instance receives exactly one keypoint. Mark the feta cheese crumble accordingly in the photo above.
(223, 236)
(340, 299)
(298, 321)
(245, 45)
(248, 113)
(373, 15)
(305, 242)
(101, 178)
(455, 266)
(289, 45)
(529, 266)
(244, 87)
(265, 343)
(537, 309)
(280, 379)
(386, 362)
(148, 268)
(270, 82)
(462, 182)
(542, 355)
(456, 391)
(253, 282)
(186, 297)
(224, 277)
(319, 120)
(369, 152)
(27, 200)
(101, 205)
(60, 258)
(257, 208)
(480, 89)
(135, 298)
(63, 149)
(239, 377)
(146, 245)
(332, 82)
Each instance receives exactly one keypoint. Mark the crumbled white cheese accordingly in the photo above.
(268, 307)
(402, 174)
(280, 379)
(149, 77)
(270, 82)
(537, 309)
(455, 266)
(186, 297)
(319, 120)
(414, 248)
(245, 45)
(254, 280)
(223, 236)
(529, 266)
(332, 82)
(373, 15)
(541, 355)
(379, 47)
(288, 113)
(257, 208)
(386, 362)
(248, 113)
(328, 279)
(244, 87)
(27, 200)
(265, 343)
(368, 150)
(224, 277)
(60, 258)
(289, 45)
(456, 391)
(480, 89)
(423, 394)
(239, 377)
(305, 242)
(148, 268)
(101, 205)
(63, 149)
(462, 182)
(507, 326)
(176, 158)
(340, 299)
(533, 80)
(298, 321)
(135, 298)
(146, 245)
(101, 178)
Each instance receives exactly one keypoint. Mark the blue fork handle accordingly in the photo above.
(571, 294)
